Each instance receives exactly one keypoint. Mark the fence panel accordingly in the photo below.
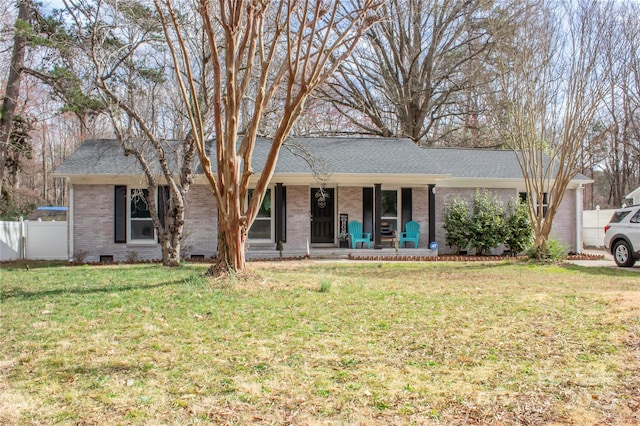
(46, 240)
(593, 222)
(10, 241)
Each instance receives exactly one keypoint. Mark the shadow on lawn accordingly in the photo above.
(19, 292)
(16, 265)
(608, 271)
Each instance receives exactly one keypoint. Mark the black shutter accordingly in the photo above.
(432, 213)
(163, 203)
(367, 210)
(281, 212)
(407, 206)
(120, 214)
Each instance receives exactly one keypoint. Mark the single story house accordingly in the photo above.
(634, 196)
(319, 185)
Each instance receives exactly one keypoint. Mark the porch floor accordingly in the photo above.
(336, 253)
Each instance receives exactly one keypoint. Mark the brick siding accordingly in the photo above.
(420, 214)
(564, 222)
(93, 219)
(298, 222)
(93, 222)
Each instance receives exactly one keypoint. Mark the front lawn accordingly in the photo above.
(338, 343)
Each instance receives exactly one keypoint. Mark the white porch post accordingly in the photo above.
(70, 222)
(579, 218)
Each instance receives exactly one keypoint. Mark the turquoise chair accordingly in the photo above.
(357, 236)
(411, 233)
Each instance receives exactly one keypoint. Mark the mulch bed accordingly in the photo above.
(351, 256)
(468, 258)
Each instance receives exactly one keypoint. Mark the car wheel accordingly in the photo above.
(622, 254)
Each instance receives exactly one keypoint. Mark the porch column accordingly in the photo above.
(70, 221)
(432, 214)
(377, 213)
(579, 208)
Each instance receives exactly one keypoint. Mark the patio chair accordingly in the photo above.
(357, 236)
(412, 231)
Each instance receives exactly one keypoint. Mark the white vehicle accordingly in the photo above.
(622, 236)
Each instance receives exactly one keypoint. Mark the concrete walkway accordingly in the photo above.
(607, 262)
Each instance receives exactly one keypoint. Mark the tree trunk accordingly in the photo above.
(12, 91)
(231, 245)
(170, 252)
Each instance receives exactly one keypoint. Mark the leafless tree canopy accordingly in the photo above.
(266, 58)
(418, 73)
(551, 85)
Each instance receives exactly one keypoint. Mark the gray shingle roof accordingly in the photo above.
(353, 156)
(106, 157)
(337, 155)
(476, 163)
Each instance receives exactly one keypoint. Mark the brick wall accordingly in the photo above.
(93, 219)
(444, 197)
(298, 222)
(564, 222)
(564, 226)
(350, 202)
(201, 222)
(420, 214)
(93, 222)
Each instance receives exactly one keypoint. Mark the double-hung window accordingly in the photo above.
(141, 225)
(261, 227)
(545, 202)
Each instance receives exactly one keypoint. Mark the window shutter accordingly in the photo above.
(281, 213)
(367, 210)
(163, 203)
(407, 206)
(120, 214)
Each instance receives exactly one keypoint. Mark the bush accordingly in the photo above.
(486, 224)
(553, 251)
(517, 227)
(456, 223)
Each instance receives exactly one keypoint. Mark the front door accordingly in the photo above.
(322, 217)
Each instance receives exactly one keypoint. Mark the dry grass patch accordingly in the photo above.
(394, 343)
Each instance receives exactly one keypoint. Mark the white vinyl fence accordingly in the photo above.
(33, 240)
(593, 222)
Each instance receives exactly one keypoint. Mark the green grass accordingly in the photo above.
(298, 342)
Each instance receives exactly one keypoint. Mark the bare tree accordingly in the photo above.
(12, 91)
(621, 110)
(123, 43)
(266, 56)
(552, 87)
(416, 71)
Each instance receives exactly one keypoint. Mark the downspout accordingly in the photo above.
(579, 218)
(70, 223)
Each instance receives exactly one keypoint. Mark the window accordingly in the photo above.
(545, 202)
(261, 227)
(522, 196)
(140, 218)
(389, 212)
(618, 216)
